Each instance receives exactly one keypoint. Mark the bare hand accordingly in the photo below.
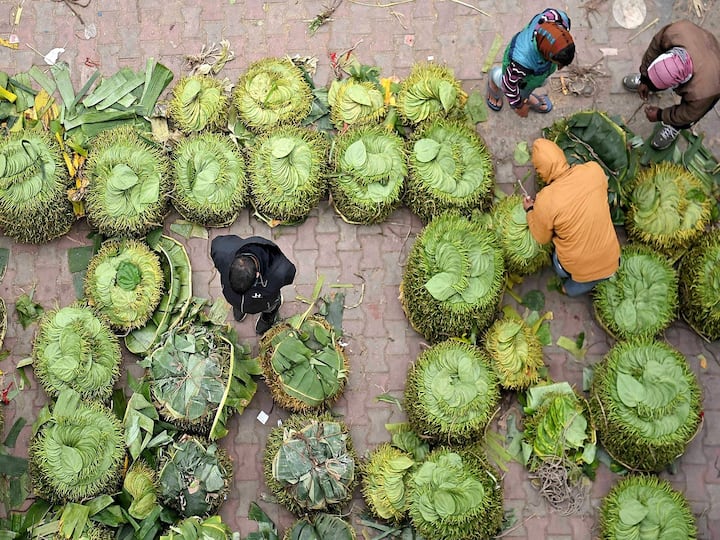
(652, 113)
(528, 202)
(523, 110)
(644, 91)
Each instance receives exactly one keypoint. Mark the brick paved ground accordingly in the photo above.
(380, 342)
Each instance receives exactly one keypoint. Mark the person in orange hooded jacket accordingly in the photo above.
(572, 211)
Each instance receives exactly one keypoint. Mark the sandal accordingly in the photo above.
(495, 95)
(543, 104)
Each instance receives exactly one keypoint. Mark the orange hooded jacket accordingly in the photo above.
(572, 210)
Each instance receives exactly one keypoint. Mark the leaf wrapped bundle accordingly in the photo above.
(141, 484)
(34, 207)
(431, 91)
(450, 168)
(454, 278)
(451, 393)
(305, 368)
(287, 173)
(370, 166)
(77, 452)
(645, 508)
(641, 298)
(198, 103)
(210, 182)
(516, 353)
(194, 476)
(355, 103)
(196, 528)
(74, 349)
(177, 276)
(309, 464)
(189, 372)
(129, 183)
(273, 91)
(385, 482)
(523, 254)
(699, 286)
(594, 136)
(557, 425)
(123, 283)
(669, 209)
(646, 403)
(320, 527)
(455, 496)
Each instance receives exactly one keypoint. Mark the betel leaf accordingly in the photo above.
(448, 95)
(521, 155)
(128, 276)
(534, 300)
(630, 390)
(632, 512)
(426, 150)
(28, 311)
(356, 154)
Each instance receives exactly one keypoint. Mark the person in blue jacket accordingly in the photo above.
(252, 272)
(532, 55)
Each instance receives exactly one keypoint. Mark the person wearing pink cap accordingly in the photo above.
(686, 58)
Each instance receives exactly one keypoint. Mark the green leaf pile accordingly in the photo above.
(641, 298)
(454, 278)
(699, 286)
(197, 528)
(515, 351)
(450, 168)
(33, 181)
(198, 103)
(430, 91)
(74, 349)
(385, 478)
(646, 403)
(370, 170)
(646, 508)
(305, 368)
(451, 393)
(320, 527)
(355, 103)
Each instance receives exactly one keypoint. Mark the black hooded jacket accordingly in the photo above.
(276, 271)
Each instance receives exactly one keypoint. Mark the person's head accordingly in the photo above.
(243, 272)
(549, 160)
(555, 43)
(671, 69)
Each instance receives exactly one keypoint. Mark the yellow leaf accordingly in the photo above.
(69, 164)
(79, 209)
(703, 361)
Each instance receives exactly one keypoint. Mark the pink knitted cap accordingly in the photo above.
(671, 69)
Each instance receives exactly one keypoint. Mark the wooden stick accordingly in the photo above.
(648, 25)
(471, 7)
(390, 4)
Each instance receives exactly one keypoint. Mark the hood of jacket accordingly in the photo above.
(549, 160)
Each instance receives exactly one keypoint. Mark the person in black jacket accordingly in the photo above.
(252, 272)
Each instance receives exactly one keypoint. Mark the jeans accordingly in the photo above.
(572, 287)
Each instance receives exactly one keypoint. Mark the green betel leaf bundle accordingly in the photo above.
(123, 283)
(451, 393)
(641, 298)
(305, 368)
(431, 91)
(454, 278)
(646, 403)
(370, 169)
(310, 464)
(320, 527)
(210, 182)
(173, 304)
(140, 484)
(455, 495)
(594, 136)
(516, 353)
(645, 508)
(287, 173)
(194, 476)
(34, 207)
(198, 103)
(699, 286)
(523, 254)
(669, 209)
(557, 426)
(271, 92)
(196, 528)
(77, 452)
(450, 168)
(355, 103)
(129, 183)
(74, 349)
(385, 482)
(189, 373)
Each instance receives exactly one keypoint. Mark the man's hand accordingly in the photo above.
(528, 202)
(523, 110)
(652, 113)
(644, 91)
